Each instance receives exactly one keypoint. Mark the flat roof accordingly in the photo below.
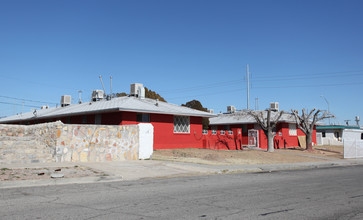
(335, 127)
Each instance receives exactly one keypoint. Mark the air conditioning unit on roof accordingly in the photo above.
(97, 95)
(66, 100)
(138, 90)
(274, 106)
(231, 109)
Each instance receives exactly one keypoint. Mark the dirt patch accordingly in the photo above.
(249, 156)
(7, 174)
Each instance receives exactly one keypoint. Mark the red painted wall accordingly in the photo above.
(281, 140)
(164, 136)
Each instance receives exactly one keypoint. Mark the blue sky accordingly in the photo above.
(298, 51)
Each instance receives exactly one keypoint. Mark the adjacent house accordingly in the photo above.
(174, 126)
(332, 134)
(245, 128)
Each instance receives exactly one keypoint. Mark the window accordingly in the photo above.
(84, 119)
(244, 128)
(230, 132)
(292, 130)
(323, 134)
(205, 132)
(361, 136)
(336, 134)
(98, 119)
(142, 117)
(181, 124)
(214, 130)
(223, 132)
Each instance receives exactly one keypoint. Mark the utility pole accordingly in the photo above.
(256, 104)
(248, 88)
(328, 105)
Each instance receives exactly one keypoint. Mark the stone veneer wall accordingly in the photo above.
(58, 142)
(28, 144)
(97, 143)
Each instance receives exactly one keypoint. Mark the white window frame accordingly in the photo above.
(181, 124)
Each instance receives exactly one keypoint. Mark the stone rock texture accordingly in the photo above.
(50, 142)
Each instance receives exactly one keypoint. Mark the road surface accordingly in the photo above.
(329, 193)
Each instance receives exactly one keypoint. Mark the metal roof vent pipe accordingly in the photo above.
(157, 102)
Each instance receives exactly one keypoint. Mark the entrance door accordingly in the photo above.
(253, 138)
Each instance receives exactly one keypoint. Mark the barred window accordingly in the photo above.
(181, 124)
(223, 132)
(292, 130)
(205, 132)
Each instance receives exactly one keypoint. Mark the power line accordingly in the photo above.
(37, 83)
(262, 78)
(27, 100)
(264, 87)
(8, 103)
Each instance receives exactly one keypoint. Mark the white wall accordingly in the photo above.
(353, 143)
(330, 138)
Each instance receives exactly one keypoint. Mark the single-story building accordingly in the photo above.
(332, 134)
(251, 134)
(174, 126)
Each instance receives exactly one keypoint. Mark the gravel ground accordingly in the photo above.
(7, 174)
(249, 156)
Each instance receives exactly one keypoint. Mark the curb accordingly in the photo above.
(53, 182)
(190, 170)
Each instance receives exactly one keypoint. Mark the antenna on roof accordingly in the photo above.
(79, 96)
(111, 85)
(347, 122)
(104, 90)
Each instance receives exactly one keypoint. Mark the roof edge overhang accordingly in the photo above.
(207, 115)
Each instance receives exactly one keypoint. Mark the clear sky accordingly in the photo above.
(299, 52)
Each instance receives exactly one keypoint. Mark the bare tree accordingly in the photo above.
(306, 123)
(263, 118)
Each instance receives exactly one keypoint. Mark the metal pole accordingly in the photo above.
(248, 88)
(328, 105)
(104, 90)
(111, 84)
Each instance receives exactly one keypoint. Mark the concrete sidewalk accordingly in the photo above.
(143, 169)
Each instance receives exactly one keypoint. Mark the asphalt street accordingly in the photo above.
(326, 193)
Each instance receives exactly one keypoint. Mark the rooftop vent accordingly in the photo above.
(274, 106)
(44, 107)
(137, 90)
(211, 111)
(231, 109)
(97, 95)
(65, 100)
